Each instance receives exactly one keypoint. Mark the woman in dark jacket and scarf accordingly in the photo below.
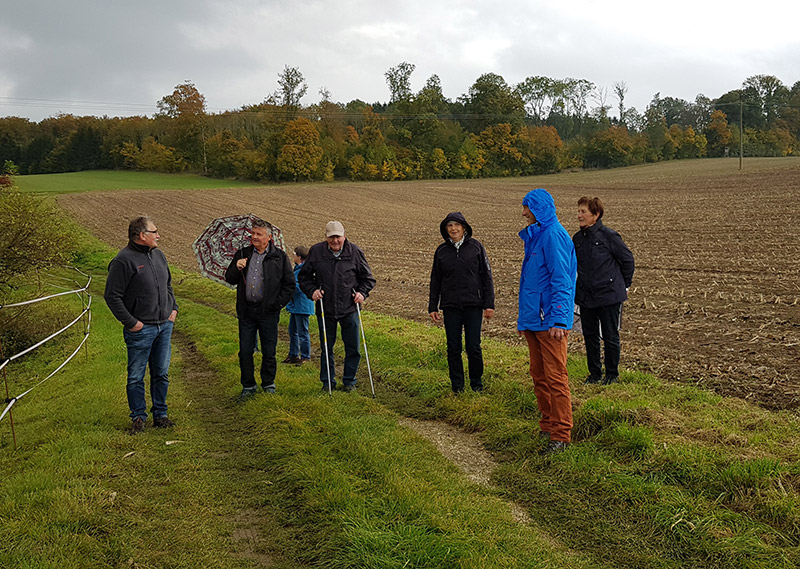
(462, 286)
(605, 272)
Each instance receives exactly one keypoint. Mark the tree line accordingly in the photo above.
(541, 125)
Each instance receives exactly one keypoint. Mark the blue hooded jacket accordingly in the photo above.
(300, 303)
(547, 282)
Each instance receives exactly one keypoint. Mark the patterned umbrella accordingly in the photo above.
(219, 242)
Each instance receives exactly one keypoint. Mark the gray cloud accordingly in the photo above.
(123, 57)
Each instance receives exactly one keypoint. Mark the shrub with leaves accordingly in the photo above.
(34, 234)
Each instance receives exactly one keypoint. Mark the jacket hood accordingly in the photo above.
(455, 216)
(541, 203)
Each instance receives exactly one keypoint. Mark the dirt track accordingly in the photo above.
(716, 295)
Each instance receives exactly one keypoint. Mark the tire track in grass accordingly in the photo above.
(465, 451)
(250, 525)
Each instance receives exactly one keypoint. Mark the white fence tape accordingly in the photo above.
(86, 311)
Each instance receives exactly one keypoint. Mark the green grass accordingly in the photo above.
(104, 180)
(662, 475)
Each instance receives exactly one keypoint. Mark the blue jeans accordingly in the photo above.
(265, 324)
(470, 320)
(352, 352)
(603, 320)
(150, 345)
(299, 339)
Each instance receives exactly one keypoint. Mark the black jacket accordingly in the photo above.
(278, 279)
(460, 278)
(605, 266)
(139, 286)
(337, 276)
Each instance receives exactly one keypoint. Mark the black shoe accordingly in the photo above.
(291, 360)
(137, 426)
(349, 388)
(326, 390)
(163, 422)
(246, 394)
(269, 388)
(610, 379)
(593, 380)
(555, 447)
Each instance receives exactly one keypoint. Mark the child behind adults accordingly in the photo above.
(299, 308)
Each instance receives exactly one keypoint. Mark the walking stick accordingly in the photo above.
(325, 339)
(366, 353)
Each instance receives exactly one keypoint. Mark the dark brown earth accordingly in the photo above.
(716, 294)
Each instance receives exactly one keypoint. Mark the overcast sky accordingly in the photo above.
(115, 57)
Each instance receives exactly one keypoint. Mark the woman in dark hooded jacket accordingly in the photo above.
(462, 286)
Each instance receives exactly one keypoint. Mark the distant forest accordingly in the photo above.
(542, 125)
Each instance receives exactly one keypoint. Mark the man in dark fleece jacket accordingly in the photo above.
(462, 286)
(139, 294)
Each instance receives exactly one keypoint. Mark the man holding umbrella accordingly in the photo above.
(337, 275)
(264, 283)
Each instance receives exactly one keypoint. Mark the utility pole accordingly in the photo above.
(741, 134)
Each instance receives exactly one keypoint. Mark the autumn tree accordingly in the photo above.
(541, 148)
(185, 108)
(718, 134)
(498, 146)
(608, 148)
(769, 94)
(224, 154)
(536, 93)
(620, 89)
(292, 87)
(491, 101)
(398, 78)
(301, 152)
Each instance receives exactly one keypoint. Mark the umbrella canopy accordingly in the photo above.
(219, 242)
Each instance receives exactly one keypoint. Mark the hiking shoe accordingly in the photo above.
(137, 426)
(609, 379)
(304, 360)
(291, 360)
(246, 394)
(593, 380)
(555, 447)
(163, 422)
(269, 388)
(325, 388)
(349, 388)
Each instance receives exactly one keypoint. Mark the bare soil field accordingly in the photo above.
(716, 294)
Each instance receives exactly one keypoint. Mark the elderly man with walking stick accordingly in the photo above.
(337, 276)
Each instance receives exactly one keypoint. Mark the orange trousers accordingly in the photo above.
(550, 383)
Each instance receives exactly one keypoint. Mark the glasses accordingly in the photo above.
(150, 231)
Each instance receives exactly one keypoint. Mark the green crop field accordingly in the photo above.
(100, 180)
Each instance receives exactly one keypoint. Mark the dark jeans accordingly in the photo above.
(603, 319)
(149, 346)
(265, 324)
(352, 352)
(299, 339)
(470, 320)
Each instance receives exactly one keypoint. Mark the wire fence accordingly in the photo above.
(84, 316)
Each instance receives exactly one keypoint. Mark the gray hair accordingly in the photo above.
(138, 225)
(262, 223)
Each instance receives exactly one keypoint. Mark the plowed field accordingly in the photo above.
(716, 294)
